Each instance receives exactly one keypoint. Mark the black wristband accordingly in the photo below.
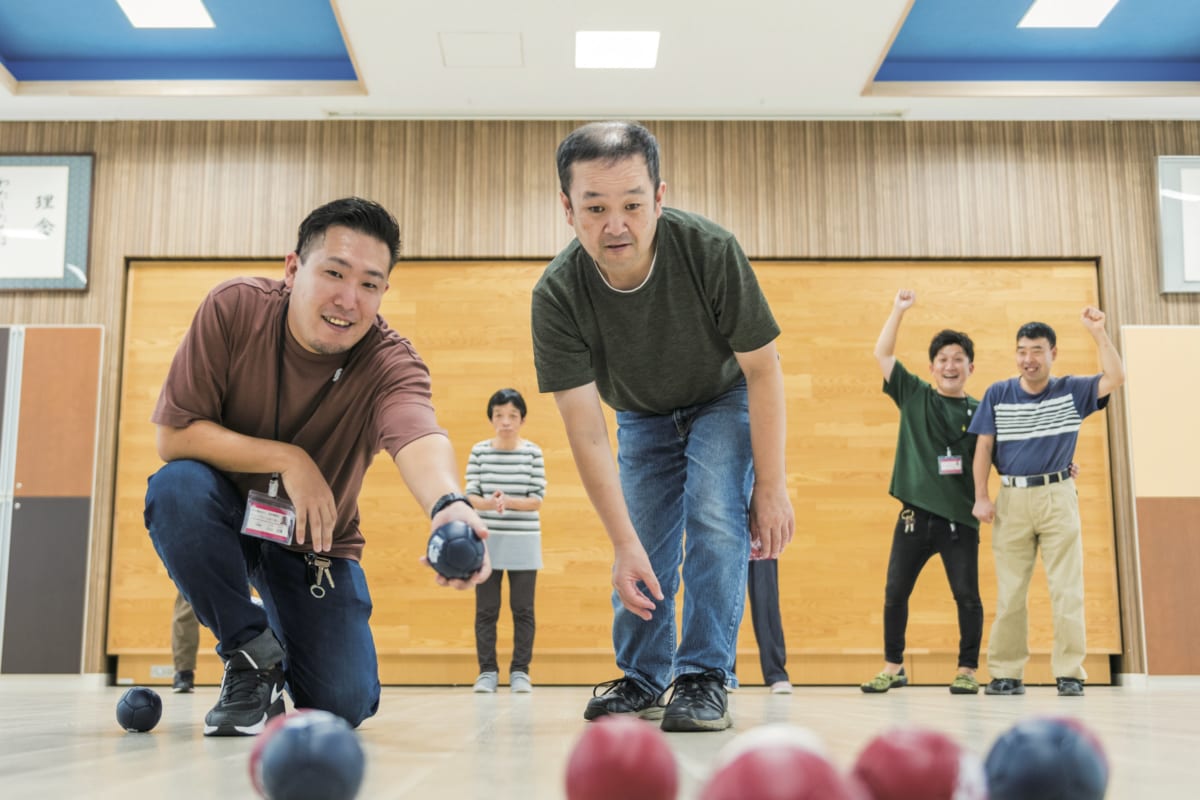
(446, 500)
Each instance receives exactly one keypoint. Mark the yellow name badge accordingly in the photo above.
(950, 465)
(270, 518)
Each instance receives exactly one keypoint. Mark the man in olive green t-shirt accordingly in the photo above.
(932, 478)
(657, 313)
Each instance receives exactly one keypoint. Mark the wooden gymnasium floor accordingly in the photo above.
(59, 739)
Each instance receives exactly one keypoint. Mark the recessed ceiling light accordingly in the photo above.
(1066, 13)
(167, 13)
(616, 49)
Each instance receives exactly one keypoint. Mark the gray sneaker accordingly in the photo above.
(1069, 687)
(486, 682)
(519, 683)
(1005, 686)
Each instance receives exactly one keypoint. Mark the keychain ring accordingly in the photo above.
(316, 591)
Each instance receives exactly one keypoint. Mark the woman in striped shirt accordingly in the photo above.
(506, 480)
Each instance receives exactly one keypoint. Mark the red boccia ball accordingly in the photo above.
(622, 757)
(919, 764)
(777, 762)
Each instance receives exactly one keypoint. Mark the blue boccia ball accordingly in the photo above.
(139, 709)
(1047, 759)
(455, 550)
(314, 755)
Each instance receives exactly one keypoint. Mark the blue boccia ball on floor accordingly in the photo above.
(139, 709)
(313, 755)
(1047, 759)
(455, 551)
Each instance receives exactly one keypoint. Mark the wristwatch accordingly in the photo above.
(446, 500)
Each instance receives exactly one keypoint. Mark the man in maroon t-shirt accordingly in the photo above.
(278, 398)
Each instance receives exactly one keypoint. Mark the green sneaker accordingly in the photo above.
(964, 684)
(884, 681)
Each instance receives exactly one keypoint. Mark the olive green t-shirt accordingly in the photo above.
(665, 345)
(931, 426)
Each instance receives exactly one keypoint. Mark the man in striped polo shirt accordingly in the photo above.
(1029, 426)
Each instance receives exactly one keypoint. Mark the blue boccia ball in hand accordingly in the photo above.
(455, 551)
(139, 709)
(312, 755)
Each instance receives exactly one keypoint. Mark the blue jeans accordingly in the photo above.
(691, 470)
(194, 515)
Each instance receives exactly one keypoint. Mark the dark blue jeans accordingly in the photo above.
(194, 515)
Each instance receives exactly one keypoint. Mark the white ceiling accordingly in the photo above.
(745, 59)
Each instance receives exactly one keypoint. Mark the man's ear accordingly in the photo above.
(566, 204)
(291, 263)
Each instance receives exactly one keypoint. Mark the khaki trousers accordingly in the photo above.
(185, 635)
(1026, 519)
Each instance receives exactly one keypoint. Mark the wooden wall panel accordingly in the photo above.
(1162, 386)
(1169, 550)
(469, 320)
(487, 189)
(1167, 494)
(56, 442)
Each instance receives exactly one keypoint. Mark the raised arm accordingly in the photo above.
(885, 347)
(1112, 367)
(587, 433)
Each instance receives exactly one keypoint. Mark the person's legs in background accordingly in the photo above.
(959, 548)
(185, 642)
(487, 613)
(765, 614)
(521, 586)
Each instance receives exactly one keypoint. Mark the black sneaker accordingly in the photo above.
(622, 696)
(1005, 686)
(1069, 687)
(698, 703)
(184, 681)
(250, 695)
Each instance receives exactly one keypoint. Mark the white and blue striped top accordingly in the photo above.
(1036, 434)
(515, 537)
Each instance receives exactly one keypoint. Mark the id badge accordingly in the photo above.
(950, 465)
(270, 518)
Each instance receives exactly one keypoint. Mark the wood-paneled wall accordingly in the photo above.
(469, 321)
(476, 189)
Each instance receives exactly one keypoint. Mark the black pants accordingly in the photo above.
(763, 586)
(958, 545)
(521, 584)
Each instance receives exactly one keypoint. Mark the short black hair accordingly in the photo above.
(948, 337)
(1037, 330)
(364, 216)
(952, 337)
(610, 142)
(504, 397)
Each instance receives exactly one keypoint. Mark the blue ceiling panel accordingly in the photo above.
(978, 40)
(69, 40)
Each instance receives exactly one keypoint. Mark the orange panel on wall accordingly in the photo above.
(56, 439)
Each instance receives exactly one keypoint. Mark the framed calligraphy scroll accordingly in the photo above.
(45, 213)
